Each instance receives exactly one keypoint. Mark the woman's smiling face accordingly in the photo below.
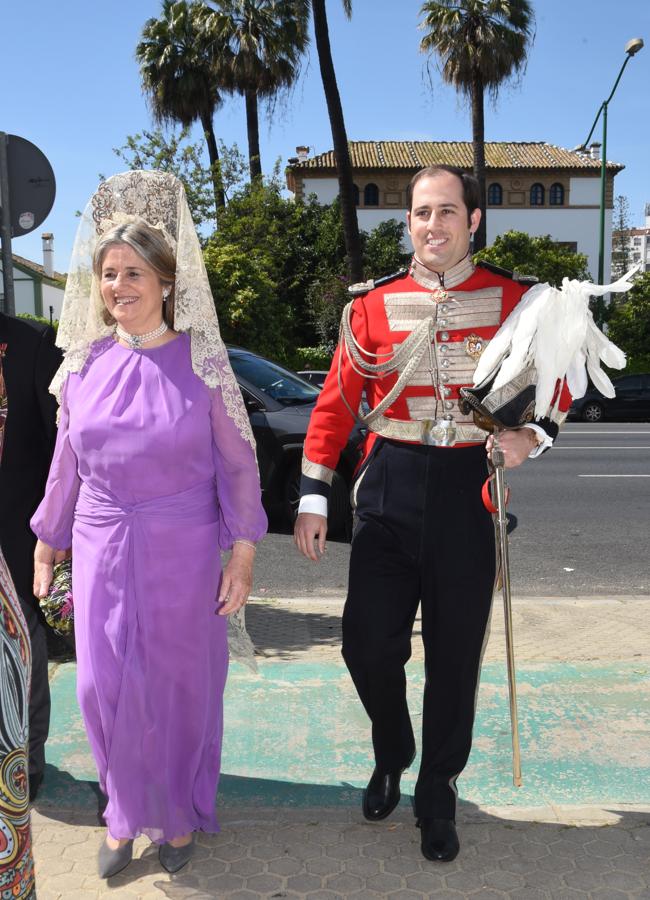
(131, 290)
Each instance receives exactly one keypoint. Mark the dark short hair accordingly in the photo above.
(471, 190)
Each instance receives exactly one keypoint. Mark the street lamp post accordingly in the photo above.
(633, 46)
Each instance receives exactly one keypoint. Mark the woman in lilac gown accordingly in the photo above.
(154, 472)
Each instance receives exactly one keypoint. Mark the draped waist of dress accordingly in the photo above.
(197, 505)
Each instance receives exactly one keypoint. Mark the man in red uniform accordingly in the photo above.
(421, 533)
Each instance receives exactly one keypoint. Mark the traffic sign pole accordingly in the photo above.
(5, 230)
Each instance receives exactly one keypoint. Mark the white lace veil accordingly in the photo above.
(157, 198)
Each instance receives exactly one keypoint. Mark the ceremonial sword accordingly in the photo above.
(498, 465)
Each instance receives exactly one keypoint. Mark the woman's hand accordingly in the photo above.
(237, 579)
(45, 558)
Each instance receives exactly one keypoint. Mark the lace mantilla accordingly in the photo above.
(158, 198)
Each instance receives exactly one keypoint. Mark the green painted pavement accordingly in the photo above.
(295, 734)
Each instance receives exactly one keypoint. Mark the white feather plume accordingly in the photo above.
(554, 331)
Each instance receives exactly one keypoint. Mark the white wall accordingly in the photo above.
(23, 293)
(584, 192)
(326, 189)
(52, 296)
(566, 224)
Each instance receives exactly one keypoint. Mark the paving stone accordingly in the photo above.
(267, 851)
(343, 883)
(583, 880)
(247, 866)
(425, 882)
(465, 882)
(622, 881)
(341, 851)
(225, 882)
(366, 867)
(503, 881)
(264, 884)
(284, 866)
(230, 852)
(304, 883)
(323, 865)
(405, 895)
(384, 883)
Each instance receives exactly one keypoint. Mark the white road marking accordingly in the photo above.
(593, 432)
(613, 476)
(603, 447)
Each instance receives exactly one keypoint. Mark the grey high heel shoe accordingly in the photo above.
(174, 858)
(110, 862)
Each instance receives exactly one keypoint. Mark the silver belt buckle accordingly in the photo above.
(439, 432)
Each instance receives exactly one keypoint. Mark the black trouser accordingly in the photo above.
(39, 695)
(422, 535)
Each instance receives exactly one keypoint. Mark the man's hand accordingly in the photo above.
(310, 532)
(516, 445)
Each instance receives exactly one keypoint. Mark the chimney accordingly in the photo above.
(594, 150)
(48, 253)
(302, 154)
(647, 215)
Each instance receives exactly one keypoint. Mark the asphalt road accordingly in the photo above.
(582, 525)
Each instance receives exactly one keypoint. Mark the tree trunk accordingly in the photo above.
(253, 129)
(340, 140)
(478, 143)
(213, 153)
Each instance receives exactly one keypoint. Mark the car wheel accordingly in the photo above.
(291, 497)
(592, 412)
(339, 511)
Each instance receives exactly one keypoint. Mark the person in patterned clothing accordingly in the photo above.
(16, 862)
(421, 534)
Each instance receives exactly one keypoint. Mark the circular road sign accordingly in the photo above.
(32, 187)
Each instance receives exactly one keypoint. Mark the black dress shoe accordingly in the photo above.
(382, 795)
(439, 839)
(35, 780)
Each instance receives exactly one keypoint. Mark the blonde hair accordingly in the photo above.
(150, 244)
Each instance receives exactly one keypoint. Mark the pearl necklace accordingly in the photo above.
(135, 341)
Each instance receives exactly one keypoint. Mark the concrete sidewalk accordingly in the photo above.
(296, 758)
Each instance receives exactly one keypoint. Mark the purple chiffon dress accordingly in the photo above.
(150, 478)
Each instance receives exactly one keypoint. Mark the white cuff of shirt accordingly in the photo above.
(545, 442)
(313, 503)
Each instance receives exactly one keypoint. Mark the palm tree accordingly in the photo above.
(266, 39)
(480, 44)
(180, 71)
(339, 137)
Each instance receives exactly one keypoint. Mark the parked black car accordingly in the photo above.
(632, 401)
(314, 376)
(279, 404)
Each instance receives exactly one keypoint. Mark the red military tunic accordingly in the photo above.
(467, 305)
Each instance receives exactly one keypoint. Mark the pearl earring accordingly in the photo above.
(166, 294)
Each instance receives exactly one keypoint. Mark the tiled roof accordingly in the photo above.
(417, 154)
(39, 270)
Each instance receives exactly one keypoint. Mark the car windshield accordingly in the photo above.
(273, 380)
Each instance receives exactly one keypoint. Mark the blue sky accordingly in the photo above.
(72, 88)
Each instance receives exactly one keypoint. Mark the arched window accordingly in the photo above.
(371, 195)
(495, 194)
(556, 195)
(355, 194)
(537, 195)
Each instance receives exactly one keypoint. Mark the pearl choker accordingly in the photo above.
(135, 341)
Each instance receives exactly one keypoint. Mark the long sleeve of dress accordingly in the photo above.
(52, 521)
(238, 484)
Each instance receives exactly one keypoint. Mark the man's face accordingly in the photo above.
(438, 223)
